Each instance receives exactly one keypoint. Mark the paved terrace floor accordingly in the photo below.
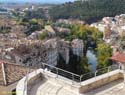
(50, 88)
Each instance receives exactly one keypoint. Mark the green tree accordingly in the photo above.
(83, 66)
(42, 36)
(88, 10)
(104, 53)
(33, 21)
(61, 62)
(86, 33)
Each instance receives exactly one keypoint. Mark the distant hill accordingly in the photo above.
(88, 10)
(35, 1)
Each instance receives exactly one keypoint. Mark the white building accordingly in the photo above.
(100, 27)
(77, 47)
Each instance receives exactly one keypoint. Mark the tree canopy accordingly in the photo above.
(42, 36)
(104, 53)
(88, 10)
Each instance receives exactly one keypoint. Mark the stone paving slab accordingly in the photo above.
(49, 88)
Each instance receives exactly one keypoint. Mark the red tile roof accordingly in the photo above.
(13, 72)
(119, 57)
(2, 62)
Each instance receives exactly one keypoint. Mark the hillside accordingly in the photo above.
(88, 10)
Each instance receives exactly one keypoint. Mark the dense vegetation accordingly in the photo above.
(77, 64)
(90, 35)
(29, 14)
(91, 38)
(38, 14)
(32, 19)
(103, 55)
(88, 10)
(32, 24)
(42, 36)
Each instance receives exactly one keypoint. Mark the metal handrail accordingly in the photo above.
(93, 74)
(61, 70)
(73, 74)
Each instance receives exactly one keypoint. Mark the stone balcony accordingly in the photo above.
(41, 82)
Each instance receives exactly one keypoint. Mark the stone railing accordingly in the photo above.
(99, 81)
(25, 84)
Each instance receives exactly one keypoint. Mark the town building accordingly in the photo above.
(10, 74)
(62, 31)
(100, 26)
(70, 21)
(32, 53)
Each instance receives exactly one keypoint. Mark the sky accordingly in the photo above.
(37, 1)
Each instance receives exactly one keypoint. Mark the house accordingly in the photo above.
(10, 74)
(100, 26)
(34, 53)
(48, 30)
(62, 31)
(70, 21)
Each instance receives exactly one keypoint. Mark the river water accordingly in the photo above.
(92, 60)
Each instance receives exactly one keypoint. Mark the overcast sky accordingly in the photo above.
(42, 1)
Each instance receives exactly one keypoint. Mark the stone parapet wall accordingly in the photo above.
(33, 81)
(100, 81)
(26, 84)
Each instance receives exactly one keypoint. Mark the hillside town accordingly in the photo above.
(41, 56)
(112, 28)
(16, 47)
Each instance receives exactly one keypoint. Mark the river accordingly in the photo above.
(92, 60)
